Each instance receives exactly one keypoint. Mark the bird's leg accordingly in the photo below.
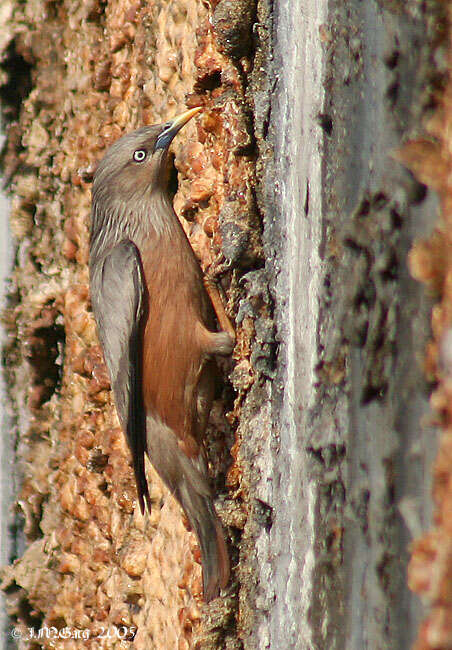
(218, 342)
(214, 295)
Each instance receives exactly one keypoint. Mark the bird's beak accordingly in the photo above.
(174, 126)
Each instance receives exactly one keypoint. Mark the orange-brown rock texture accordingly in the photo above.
(318, 440)
(75, 77)
(430, 260)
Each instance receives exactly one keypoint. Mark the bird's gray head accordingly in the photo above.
(134, 166)
(130, 175)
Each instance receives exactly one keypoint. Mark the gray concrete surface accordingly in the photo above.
(346, 474)
(299, 66)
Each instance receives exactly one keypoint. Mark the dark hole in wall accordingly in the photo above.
(18, 84)
(43, 350)
(326, 122)
(17, 87)
(373, 392)
(209, 81)
(20, 608)
(264, 514)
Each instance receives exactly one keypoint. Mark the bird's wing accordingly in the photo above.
(118, 295)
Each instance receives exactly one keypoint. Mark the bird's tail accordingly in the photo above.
(187, 479)
(201, 514)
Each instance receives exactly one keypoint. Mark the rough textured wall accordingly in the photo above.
(322, 439)
(430, 568)
(75, 76)
(345, 473)
(371, 438)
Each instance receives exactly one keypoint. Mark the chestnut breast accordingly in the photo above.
(172, 347)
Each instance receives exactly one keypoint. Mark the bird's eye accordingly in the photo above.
(139, 155)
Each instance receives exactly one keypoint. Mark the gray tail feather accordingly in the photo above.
(187, 479)
(201, 513)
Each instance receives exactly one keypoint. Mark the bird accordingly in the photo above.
(155, 313)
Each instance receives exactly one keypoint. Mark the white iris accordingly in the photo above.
(139, 155)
